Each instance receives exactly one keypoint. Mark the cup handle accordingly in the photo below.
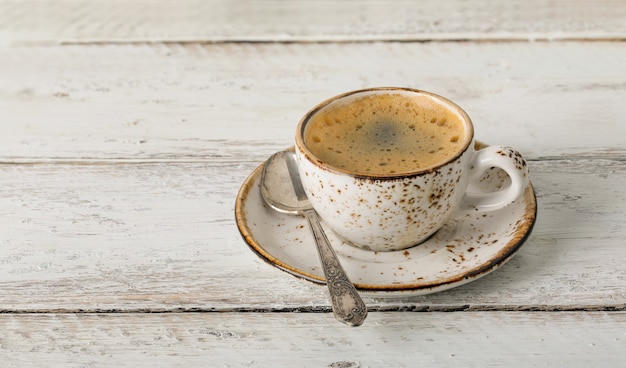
(505, 158)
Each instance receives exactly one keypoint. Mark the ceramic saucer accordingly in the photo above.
(464, 249)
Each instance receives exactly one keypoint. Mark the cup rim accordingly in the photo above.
(301, 146)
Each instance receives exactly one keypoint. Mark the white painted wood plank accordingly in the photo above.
(229, 101)
(37, 22)
(487, 339)
(163, 237)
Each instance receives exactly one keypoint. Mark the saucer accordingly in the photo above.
(466, 248)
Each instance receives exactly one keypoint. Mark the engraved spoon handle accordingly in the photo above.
(348, 307)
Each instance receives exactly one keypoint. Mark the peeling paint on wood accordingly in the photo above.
(124, 139)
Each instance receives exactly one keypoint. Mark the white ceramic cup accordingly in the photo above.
(397, 211)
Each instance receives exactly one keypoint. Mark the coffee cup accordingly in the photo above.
(385, 168)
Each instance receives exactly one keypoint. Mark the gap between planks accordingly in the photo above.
(329, 40)
(617, 157)
(402, 308)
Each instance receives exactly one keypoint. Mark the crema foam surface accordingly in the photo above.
(385, 134)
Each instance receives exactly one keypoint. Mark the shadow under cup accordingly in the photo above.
(385, 167)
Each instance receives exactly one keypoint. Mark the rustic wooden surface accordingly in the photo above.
(126, 130)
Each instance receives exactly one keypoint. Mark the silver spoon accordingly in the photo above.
(282, 190)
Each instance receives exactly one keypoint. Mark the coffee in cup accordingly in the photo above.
(385, 134)
(385, 168)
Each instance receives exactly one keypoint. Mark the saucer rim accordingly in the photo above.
(508, 250)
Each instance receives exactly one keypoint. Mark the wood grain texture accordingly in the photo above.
(162, 237)
(230, 101)
(127, 128)
(54, 22)
(487, 339)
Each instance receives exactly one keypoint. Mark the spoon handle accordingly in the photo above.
(348, 306)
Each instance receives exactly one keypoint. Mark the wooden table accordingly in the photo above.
(127, 129)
